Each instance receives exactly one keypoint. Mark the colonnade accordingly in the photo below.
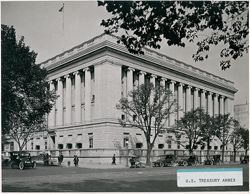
(73, 104)
(188, 97)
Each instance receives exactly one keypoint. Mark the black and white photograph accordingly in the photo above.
(125, 96)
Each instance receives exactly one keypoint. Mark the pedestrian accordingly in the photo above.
(60, 159)
(76, 160)
(113, 160)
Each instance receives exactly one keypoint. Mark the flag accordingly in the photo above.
(61, 9)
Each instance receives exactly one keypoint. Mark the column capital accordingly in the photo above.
(77, 72)
(210, 93)
(221, 97)
(203, 91)
(52, 81)
(131, 69)
(153, 76)
(163, 79)
(68, 76)
(142, 72)
(189, 87)
(196, 89)
(59, 79)
(216, 95)
(181, 84)
(172, 82)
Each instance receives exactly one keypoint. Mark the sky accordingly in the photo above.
(41, 25)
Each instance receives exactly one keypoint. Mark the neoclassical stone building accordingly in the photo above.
(91, 78)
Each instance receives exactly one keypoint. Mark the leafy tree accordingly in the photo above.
(236, 137)
(223, 124)
(245, 138)
(208, 23)
(188, 129)
(25, 96)
(208, 131)
(147, 108)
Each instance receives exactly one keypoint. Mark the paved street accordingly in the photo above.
(55, 179)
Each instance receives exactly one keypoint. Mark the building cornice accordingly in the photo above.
(109, 42)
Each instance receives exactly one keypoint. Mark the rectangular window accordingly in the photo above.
(178, 145)
(70, 135)
(123, 117)
(90, 142)
(79, 134)
(69, 145)
(37, 147)
(78, 145)
(32, 145)
(60, 146)
(46, 145)
(134, 117)
(160, 146)
(125, 142)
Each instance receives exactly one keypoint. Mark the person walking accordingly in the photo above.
(76, 160)
(113, 160)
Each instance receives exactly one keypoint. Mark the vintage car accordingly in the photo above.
(213, 160)
(166, 160)
(244, 160)
(21, 160)
(136, 163)
(188, 161)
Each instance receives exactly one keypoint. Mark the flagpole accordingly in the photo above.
(63, 27)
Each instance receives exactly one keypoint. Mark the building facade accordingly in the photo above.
(241, 113)
(90, 79)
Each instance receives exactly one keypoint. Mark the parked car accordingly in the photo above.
(136, 163)
(188, 161)
(21, 160)
(166, 160)
(213, 160)
(244, 160)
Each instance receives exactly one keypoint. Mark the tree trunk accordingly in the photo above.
(208, 145)
(223, 153)
(149, 149)
(235, 155)
(245, 152)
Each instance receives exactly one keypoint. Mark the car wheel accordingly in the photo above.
(185, 163)
(21, 165)
(34, 165)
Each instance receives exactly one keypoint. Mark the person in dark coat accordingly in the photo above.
(76, 160)
(113, 160)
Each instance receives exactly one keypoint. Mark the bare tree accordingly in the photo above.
(236, 137)
(148, 108)
(188, 129)
(222, 124)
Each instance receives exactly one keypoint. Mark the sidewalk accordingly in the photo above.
(96, 166)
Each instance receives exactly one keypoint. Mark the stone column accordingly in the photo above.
(163, 83)
(142, 77)
(210, 105)
(173, 115)
(59, 102)
(51, 120)
(216, 105)
(226, 105)
(77, 97)
(129, 80)
(222, 105)
(203, 99)
(180, 100)
(152, 79)
(196, 98)
(87, 95)
(68, 99)
(188, 98)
